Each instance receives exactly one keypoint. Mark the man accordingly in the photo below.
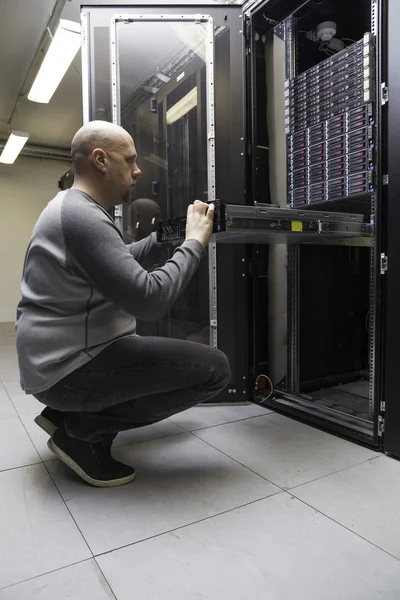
(144, 216)
(82, 288)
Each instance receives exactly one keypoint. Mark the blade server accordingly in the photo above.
(329, 119)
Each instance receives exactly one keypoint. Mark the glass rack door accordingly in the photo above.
(162, 94)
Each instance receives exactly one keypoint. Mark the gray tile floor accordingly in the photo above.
(229, 503)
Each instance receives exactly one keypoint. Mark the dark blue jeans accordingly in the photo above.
(134, 382)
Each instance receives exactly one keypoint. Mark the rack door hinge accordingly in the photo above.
(385, 179)
(381, 426)
(382, 406)
(384, 94)
(384, 263)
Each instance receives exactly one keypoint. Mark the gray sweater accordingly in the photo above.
(82, 288)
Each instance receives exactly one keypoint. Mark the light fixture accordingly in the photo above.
(62, 50)
(13, 147)
(150, 89)
(163, 78)
(181, 108)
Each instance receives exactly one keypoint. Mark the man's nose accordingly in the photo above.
(137, 171)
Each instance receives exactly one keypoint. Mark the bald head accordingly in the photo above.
(104, 160)
(145, 214)
(145, 206)
(96, 134)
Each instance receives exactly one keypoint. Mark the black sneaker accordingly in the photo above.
(49, 420)
(92, 462)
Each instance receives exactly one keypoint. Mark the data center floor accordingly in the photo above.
(229, 502)
(351, 399)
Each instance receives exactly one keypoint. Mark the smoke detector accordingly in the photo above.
(326, 31)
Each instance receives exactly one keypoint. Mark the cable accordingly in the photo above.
(269, 21)
(348, 40)
(270, 383)
(323, 47)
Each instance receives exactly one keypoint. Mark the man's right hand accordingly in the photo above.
(199, 222)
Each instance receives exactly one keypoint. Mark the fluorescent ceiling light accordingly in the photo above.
(156, 160)
(63, 48)
(193, 35)
(182, 107)
(15, 143)
(163, 78)
(151, 90)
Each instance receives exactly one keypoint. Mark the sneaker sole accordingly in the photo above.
(81, 473)
(46, 425)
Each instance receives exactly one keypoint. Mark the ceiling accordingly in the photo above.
(55, 123)
(50, 124)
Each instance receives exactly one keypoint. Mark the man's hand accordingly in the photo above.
(199, 223)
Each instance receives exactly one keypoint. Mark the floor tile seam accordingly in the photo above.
(231, 422)
(186, 525)
(29, 436)
(52, 459)
(239, 463)
(39, 462)
(343, 526)
(68, 509)
(104, 575)
(79, 562)
(285, 489)
(184, 430)
(9, 396)
(363, 462)
(162, 437)
(17, 415)
(172, 435)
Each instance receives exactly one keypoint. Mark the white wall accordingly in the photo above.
(25, 189)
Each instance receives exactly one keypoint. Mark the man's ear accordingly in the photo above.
(99, 159)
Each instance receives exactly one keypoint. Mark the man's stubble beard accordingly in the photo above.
(128, 197)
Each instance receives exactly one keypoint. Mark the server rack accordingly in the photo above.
(335, 135)
(348, 119)
(209, 311)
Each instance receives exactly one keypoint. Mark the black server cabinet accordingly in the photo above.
(325, 305)
(174, 169)
(331, 352)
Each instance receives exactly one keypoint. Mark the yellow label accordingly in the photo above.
(297, 226)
